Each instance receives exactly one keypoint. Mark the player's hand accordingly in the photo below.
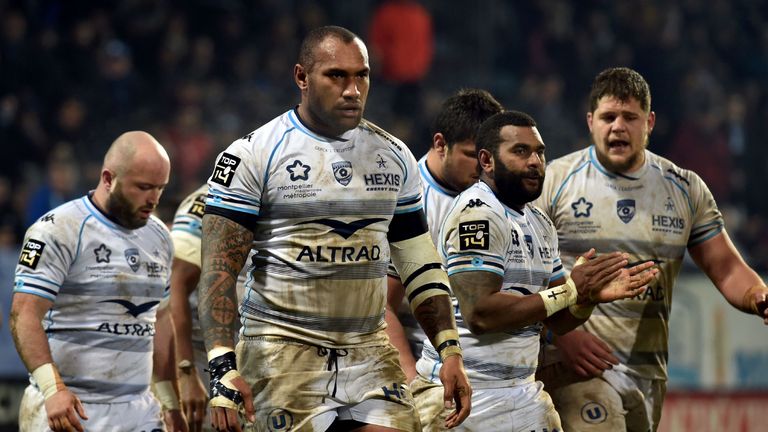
(629, 283)
(756, 299)
(585, 353)
(63, 409)
(224, 412)
(175, 421)
(194, 399)
(593, 273)
(457, 391)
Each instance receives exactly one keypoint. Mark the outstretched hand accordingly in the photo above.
(591, 274)
(630, 282)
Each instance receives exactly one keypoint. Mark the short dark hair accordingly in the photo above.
(462, 114)
(622, 83)
(489, 135)
(317, 36)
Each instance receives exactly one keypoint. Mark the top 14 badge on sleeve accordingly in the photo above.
(31, 252)
(474, 235)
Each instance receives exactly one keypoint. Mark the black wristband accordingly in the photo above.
(446, 344)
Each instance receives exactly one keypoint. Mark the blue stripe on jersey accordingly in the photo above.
(108, 341)
(432, 184)
(110, 388)
(312, 322)
(468, 269)
(40, 292)
(212, 202)
(272, 155)
(235, 198)
(496, 370)
(80, 237)
(702, 237)
(335, 208)
(38, 278)
(567, 178)
(100, 217)
(600, 168)
(409, 200)
(456, 263)
(298, 125)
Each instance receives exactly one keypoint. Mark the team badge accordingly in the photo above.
(593, 413)
(279, 420)
(298, 170)
(342, 171)
(31, 252)
(133, 258)
(102, 253)
(225, 169)
(529, 244)
(198, 206)
(474, 235)
(625, 209)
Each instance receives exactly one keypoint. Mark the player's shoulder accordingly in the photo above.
(682, 177)
(478, 198)
(375, 132)
(64, 218)
(266, 135)
(540, 215)
(569, 163)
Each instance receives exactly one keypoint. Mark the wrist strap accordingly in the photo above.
(48, 379)
(559, 297)
(166, 394)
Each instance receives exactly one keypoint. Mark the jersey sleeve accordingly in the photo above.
(187, 229)
(409, 198)
(474, 238)
(44, 260)
(235, 185)
(707, 219)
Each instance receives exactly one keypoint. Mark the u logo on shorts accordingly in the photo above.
(279, 420)
(593, 413)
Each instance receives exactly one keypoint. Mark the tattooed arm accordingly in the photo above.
(225, 248)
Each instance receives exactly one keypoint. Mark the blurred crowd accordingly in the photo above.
(197, 74)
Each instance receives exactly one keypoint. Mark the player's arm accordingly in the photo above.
(225, 248)
(164, 381)
(426, 288)
(61, 405)
(193, 392)
(739, 284)
(395, 331)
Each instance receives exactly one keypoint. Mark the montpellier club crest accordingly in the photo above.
(342, 171)
(625, 209)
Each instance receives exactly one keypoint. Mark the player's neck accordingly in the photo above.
(435, 169)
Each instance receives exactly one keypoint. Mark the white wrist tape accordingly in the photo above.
(559, 297)
(166, 394)
(581, 312)
(48, 379)
(218, 351)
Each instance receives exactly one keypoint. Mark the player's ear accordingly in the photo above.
(439, 144)
(108, 178)
(300, 76)
(485, 159)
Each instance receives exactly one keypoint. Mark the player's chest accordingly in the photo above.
(654, 212)
(331, 174)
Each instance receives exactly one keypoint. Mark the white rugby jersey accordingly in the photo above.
(187, 233)
(106, 282)
(321, 209)
(482, 234)
(437, 201)
(653, 214)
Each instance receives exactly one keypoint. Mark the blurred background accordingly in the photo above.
(198, 74)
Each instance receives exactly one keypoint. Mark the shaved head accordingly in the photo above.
(132, 150)
(135, 172)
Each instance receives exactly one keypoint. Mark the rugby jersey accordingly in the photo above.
(652, 214)
(320, 209)
(482, 234)
(105, 282)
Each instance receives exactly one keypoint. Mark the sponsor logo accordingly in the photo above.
(155, 269)
(381, 162)
(668, 222)
(678, 176)
(339, 253)
(669, 206)
(133, 258)
(225, 169)
(298, 170)
(474, 235)
(132, 309)
(127, 329)
(382, 182)
(477, 202)
(102, 253)
(342, 228)
(31, 252)
(47, 218)
(342, 172)
(247, 137)
(593, 413)
(279, 420)
(198, 206)
(625, 209)
(582, 208)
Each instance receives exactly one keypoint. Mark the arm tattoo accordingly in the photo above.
(225, 247)
(435, 314)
